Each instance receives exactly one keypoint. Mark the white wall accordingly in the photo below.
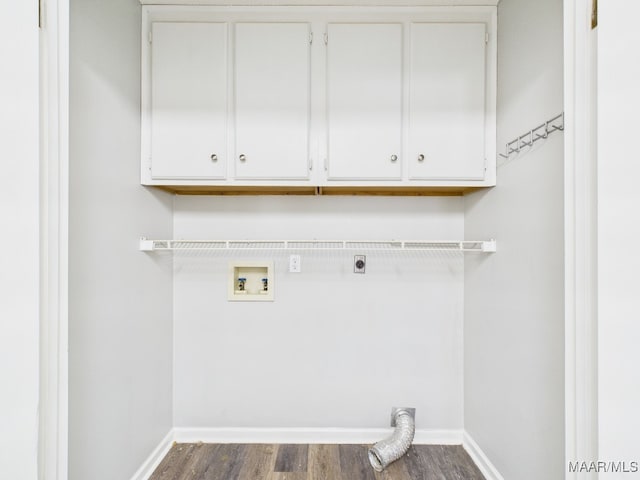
(19, 242)
(618, 227)
(120, 299)
(514, 305)
(335, 349)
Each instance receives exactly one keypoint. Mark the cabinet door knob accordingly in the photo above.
(242, 157)
(214, 157)
(394, 158)
(421, 158)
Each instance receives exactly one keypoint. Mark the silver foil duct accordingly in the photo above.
(391, 449)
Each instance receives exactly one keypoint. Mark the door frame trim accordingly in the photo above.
(580, 206)
(54, 240)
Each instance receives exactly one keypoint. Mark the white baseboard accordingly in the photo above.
(153, 460)
(309, 435)
(487, 468)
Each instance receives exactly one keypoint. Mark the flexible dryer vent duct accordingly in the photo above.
(391, 449)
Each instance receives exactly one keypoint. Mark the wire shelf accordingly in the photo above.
(480, 246)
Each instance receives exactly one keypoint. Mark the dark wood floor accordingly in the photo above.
(202, 461)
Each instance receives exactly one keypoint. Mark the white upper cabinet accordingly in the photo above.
(306, 97)
(447, 101)
(188, 104)
(364, 101)
(272, 100)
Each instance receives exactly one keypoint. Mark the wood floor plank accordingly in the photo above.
(286, 476)
(396, 471)
(292, 458)
(225, 462)
(174, 462)
(437, 455)
(462, 463)
(324, 463)
(419, 464)
(448, 464)
(200, 459)
(259, 461)
(354, 464)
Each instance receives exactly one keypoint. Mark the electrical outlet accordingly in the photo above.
(359, 263)
(294, 264)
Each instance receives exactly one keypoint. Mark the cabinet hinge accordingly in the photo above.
(326, 165)
(486, 164)
(150, 36)
(326, 38)
(486, 37)
(310, 163)
(310, 38)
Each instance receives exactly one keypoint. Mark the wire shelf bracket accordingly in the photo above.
(527, 139)
(479, 246)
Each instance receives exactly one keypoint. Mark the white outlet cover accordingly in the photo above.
(294, 264)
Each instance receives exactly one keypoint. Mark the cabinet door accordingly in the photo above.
(188, 100)
(272, 100)
(447, 101)
(364, 101)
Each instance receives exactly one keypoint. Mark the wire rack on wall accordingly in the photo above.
(527, 139)
(479, 246)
